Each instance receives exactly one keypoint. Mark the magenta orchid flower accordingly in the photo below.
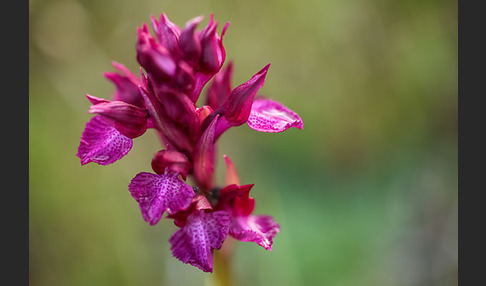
(244, 226)
(176, 64)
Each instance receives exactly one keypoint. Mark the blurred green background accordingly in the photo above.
(366, 194)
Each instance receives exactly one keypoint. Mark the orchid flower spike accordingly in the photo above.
(175, 66)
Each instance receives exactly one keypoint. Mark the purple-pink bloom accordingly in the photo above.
(244, 226)
(107, 137)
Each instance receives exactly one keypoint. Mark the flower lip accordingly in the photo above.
(159, 193)
(260, 229)
(271, 116)
(194, 242)
(101, 143)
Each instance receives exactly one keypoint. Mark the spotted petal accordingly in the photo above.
(259, 229)
(270, 116)
(194, 242)
(102, 143)
(157, 193)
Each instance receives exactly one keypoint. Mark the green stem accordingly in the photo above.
(222, 270)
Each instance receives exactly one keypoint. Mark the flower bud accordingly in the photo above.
(189, 44)
(212, 49)
(174, 160)
(167, 34)
(153, 57)
(203, 112)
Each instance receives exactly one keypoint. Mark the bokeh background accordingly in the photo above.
(366, 194)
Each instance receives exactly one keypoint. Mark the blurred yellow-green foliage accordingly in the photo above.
(366, 194)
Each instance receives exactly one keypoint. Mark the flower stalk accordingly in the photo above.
(223, 274)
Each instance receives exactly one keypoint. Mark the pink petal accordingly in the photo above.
(96, 100)
(126, 72)
(179, 108)
(270, 116)
(184, 77)
(236, 200)
(128, 119)
(213, 53)
(203, 163)
(102, 143)
(231, 174)
(194, 243)
(126, 85)
(154, 57)
(203, 112)
(238, 105)
(161, 121)
(189, 43)
(157, 193)
(200, 80)
(167, 33)
(221, 127)
(199, 202)
(220, 88)
(259, 229)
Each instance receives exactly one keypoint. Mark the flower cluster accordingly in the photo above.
(176, 64)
